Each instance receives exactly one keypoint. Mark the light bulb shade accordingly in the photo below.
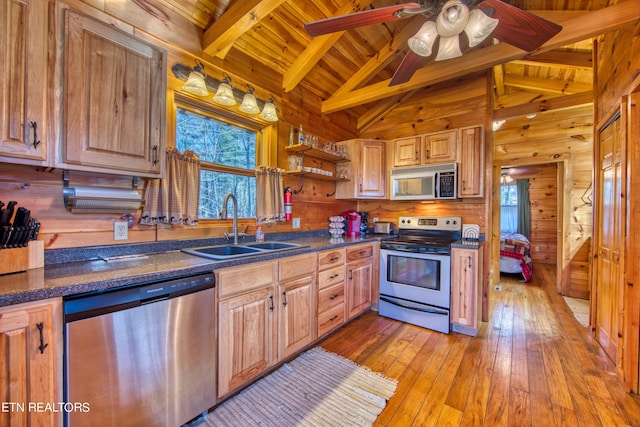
(249, 104)
(449, 48)
(269, 112)
(452, 19)
(479, 27)
(195, 84)
(224, 95)
(422, 42)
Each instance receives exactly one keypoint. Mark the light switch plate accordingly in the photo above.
(295, 223)
(120, 230)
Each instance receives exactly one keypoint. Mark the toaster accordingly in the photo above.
(384, 227)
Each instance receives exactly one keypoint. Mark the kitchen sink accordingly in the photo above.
(222, 252)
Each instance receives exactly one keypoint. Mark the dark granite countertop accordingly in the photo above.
(75, 277)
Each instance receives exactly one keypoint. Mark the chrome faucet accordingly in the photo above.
(223, 214)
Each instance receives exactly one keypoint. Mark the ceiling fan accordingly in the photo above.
(452, 27)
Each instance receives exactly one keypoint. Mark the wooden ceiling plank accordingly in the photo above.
(546, 85)
(605, 20)
(559, 103)
(237, 20)
(379, 110)
(315, 51)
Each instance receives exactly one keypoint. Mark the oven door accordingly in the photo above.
(418, 277)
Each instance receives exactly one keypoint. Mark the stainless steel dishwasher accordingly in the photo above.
(144, 355)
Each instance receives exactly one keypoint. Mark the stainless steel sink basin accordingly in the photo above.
(222, 252)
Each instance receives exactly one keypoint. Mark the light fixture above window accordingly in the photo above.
(249, 103)
(195, 83)
(269, 112)
(224, 94)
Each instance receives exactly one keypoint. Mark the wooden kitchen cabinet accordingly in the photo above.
(360, 278)
(406, 151)
(113, 100)
(31, 338)
(246, 323)
(24, 51)
(296, 296)
(471, 162)
(439, 147)
(331, 290)
(367, 175)
(466, 290)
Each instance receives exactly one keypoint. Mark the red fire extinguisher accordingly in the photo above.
(288, 208)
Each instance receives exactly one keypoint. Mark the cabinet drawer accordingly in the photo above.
(330, 319)
(331, 277)
(330, 297)
(328, 259)
(297, 266)
(235, 280)
(359, 252)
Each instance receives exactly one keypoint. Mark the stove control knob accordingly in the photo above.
(448, 222)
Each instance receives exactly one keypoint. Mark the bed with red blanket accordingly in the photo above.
(515, 255)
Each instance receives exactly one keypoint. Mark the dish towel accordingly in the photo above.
(269, 195)
(174, 198)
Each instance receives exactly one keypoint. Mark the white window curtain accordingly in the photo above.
(269, 195)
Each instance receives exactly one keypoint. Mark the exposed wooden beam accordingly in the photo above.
(558, 58)
(316, 50)
(559, 103)
(237, 20)
(586, 26)
(498, 77)
(546, 85)
(379, 110)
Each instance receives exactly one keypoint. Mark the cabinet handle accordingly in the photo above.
(350, 274)
(333, 318)
(36, 141)
(428, 154)
(333, 276)
(334, 258)
(42, 346)
(271, 298)
(284, 294)
(334, 297)
(469, 261)
(417, 154)
(155, 155)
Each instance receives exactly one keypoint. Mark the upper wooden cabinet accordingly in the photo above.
(23, 79)
(471, 162)
(406, 151)
(113, 100)
(367, 175)
(439, 147)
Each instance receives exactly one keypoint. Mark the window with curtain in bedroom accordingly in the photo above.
(509, 208)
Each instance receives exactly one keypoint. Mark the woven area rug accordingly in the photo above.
(318, 388)
(580, 309)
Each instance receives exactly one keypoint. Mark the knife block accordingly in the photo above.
(21, 259)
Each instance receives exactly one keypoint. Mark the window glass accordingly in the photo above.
(228, 154)
(509, 208)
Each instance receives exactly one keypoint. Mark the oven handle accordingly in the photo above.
(424, 310)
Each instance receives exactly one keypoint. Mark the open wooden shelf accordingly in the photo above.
(316, 176)
(314, 152)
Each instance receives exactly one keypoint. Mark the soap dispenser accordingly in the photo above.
(259, 234)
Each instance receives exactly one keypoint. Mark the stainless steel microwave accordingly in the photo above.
(432, 182)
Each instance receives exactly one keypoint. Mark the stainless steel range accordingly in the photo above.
(415, 271)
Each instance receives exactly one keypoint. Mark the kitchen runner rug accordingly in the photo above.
(318, 388)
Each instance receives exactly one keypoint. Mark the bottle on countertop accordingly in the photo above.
(259, 234)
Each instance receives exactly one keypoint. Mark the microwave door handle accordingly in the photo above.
(436, 186)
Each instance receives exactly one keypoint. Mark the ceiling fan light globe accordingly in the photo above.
(422, 42)
(479, 27)
(452, 19)
(449, 48)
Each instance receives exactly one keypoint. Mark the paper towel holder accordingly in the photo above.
(100, 199)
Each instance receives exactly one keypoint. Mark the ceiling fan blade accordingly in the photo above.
(360, 19)
(410, 63)
(521, 29)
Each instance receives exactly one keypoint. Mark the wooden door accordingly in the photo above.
(245, 338)
(406, 151)
(114, 99)
(359, 293)
(372, 169)
(296, 315)
(23, 80)
(28, 363)
(611, 219)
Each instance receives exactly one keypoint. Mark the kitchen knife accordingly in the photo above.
(7, 214)
(7, 234)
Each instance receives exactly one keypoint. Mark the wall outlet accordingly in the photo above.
(375, 219)
(537, 248)
(120, 230)
(295, 223)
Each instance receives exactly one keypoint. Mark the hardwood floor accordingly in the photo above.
(532, 364)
